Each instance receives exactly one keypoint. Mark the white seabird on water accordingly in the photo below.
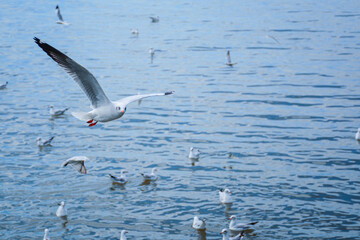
(152, 176)
(104, 110)
(3, 86)
(357, 135)
(235, 226)
(77, 163)
(120, 180)
(155, 19)
(123, 235)
(135, 31)
(194, 153)
(225, 196)
(228, 59)
(61, 20)
(57, 112)
(199, 224)
(44, 143)
(151, 52)
(61, 211)
(225, 234)
(46, 234)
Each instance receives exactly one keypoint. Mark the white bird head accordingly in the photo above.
(62, 204)
(232, 217)
(224, 231)
(154, 170)
(191, 149)
(227, 191)
(123, 235)
(38, 139)
(50, 106)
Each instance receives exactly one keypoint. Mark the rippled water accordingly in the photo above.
(277, 129)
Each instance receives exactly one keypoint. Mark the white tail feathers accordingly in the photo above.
(83, 116)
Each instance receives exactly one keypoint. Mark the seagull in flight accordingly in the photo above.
(104, 110)
(228, 59)
(61, 20)
(77, 162)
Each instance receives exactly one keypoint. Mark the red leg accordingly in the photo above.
(92, 124)
(90, 121)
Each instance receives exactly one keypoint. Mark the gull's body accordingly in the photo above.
(120, 180)
(44, 143)
(194, 153)
(151, 52)
(123, 235)
(155, 19)
(61, 20)
(57, 112)
(46, 234)
(3, 86)
(357, 135)
(152, 176)
(135, 31)
(225, 196)
(104, 110)
(225, 236)
(228, 59)
(199, 224)
(61, 211)
(236, 226)
(77, 162)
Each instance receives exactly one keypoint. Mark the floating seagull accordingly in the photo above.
(135, 31)
(357, 135)
(225, 196)
(151, 52)
(199, 224)
(42, 143)
(46, 234)
(104, 110)
(61, 211)
(225, 234)
(155, 19)
(123, 236)
(234, 226)
(152, 176)
(228, 59)
(61, 20)
(77, 162)
(120, 180)
(194, 154)
(3, 86)
(57, 112)
(273, 38)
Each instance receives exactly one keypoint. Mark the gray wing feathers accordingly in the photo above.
(81, 75)
(134, 98)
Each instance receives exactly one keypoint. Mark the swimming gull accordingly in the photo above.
(77, 162)
(225, 196)
(228, 59)
(235, 226)
(46, 234)
(3, 86)
(57, 112)
(357, 135)
(225, 234)
(155, 19)
(104, 110)
(61, 211)
(120, 180)
(194, 153)
(152, 176)
(44, 143)
(199, 224)
(135, 31)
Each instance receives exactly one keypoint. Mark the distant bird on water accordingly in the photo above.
(225, 234)
(194, 154)
(199, 224)
(46, 234)
(44, 143)
(135, 32)
(357, 135)
(77, 163)
(235, 226)
(61, 211)
(104, 110)
(152, 176)
(56, 112)
(120, 180)
(225, 196)
(61, 20)
(228, 59)
(3, 86)
(155, 19)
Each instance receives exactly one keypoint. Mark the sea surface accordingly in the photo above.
(277, 128)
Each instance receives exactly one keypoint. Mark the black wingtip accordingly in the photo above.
(37, 40)
(253, 223)
(169, 93)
